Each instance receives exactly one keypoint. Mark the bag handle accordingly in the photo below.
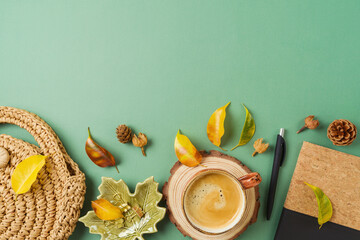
(47, 139)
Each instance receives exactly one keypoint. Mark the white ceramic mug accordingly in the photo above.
(245, 182)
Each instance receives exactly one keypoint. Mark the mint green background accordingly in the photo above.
(163, 65)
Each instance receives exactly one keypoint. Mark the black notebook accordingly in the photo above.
(338, 175)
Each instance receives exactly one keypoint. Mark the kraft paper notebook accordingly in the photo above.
(338, 175)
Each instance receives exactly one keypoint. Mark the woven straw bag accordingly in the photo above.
(51, 208)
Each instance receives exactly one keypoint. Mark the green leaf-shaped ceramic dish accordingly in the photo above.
(132, 227)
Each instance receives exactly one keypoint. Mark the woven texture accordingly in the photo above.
(51, 208)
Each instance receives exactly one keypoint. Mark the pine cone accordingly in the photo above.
(341, 132)
(123, 133)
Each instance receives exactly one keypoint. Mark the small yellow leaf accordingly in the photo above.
(185, 151)
(324, 205)
(26, 172)
(105, 210)
(215, 127)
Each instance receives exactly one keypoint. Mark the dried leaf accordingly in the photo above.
(132, 227)
(105, 210)
(248, 129)
(215, 126)
(260, 147)
(185, 151)
(324, 205)
(99, 155)
(26, 172)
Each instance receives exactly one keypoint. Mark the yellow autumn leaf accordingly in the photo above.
(186, 151)
(105, 210)
(26, 172)
(325, 209)
(215, 127)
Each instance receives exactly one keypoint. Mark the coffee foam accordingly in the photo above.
(203, 190)
(213, 201)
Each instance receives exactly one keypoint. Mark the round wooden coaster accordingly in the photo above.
(174, 189)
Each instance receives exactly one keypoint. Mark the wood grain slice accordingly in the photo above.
(181, 175)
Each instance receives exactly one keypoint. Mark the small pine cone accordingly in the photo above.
(123, 133)
(341, 132)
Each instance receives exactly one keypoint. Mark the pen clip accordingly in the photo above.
(283, 151)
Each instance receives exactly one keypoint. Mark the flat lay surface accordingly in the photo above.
(161, 66)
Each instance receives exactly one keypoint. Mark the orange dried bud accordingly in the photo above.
(260, 147)
(140, 141)
(309, 123)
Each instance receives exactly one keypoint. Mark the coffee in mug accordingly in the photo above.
(214, 201)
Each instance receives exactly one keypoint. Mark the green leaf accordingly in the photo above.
(324, 205)
(146, 196)
(248, 129)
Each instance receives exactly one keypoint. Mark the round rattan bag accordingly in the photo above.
(51, 208)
